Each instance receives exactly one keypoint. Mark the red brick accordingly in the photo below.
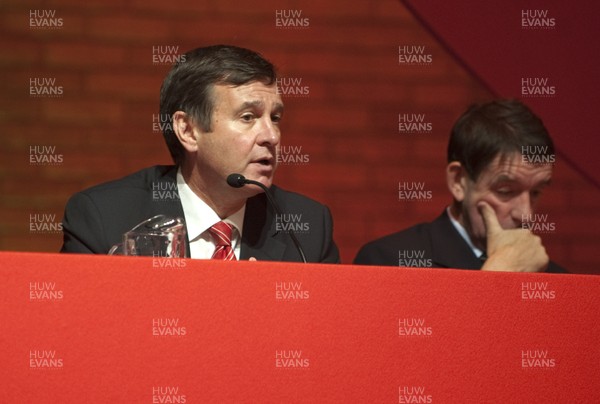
(20, 108)
(125, 86)
(327, 118)
(129, 28)
(232, 8)
(20, 85)
(20, 52)
(198, 9)
(434, 95)
(393, 10)
(84, 55)
(211, 29)
(90, 5)
(69, 24)
(81, 112)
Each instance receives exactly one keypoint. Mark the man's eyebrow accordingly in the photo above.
(544, 183)
(249, 105)
(277, 107)
(503, 178)
(508, 178)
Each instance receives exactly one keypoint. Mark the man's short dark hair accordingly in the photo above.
(497, 128)
(188, 86)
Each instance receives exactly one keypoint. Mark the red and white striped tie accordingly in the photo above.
(221, 234)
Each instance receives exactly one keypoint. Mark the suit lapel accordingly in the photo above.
(450, 249)
(259, 239)
(172, 206)
(260, 236)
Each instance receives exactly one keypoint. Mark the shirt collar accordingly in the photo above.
(463, 232)
(199, 217)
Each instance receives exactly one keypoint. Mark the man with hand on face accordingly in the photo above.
(223, 113)
(499, 162)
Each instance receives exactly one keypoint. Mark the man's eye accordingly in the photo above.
(248, 117)
(276, 118)
(504, 191)
(536, 194)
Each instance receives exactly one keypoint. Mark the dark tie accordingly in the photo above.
(221, 234)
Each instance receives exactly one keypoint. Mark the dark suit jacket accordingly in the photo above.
(95, 219)
(437, 244)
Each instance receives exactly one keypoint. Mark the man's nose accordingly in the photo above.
(269, 133)
(522, 210)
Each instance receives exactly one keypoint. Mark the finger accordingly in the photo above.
(490, 220)
(252, 259)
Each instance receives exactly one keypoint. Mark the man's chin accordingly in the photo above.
(479, 242)
(263, 178)
(253, 189)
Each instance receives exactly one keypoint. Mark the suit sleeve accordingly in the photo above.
(370, 254)
(330, 253)
(363, 257)
(554, 268)
(82, 227)
(384, 251)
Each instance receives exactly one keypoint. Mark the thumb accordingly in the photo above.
(490, 220)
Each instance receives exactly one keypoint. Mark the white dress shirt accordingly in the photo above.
(463, 232)
(199, 217)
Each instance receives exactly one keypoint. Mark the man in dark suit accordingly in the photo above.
(221, 111)
(500, 158)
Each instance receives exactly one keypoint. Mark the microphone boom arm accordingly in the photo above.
(238, 181)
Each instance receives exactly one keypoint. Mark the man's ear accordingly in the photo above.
(184, 129)
(456, 178)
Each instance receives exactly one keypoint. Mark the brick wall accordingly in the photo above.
(346, 122)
